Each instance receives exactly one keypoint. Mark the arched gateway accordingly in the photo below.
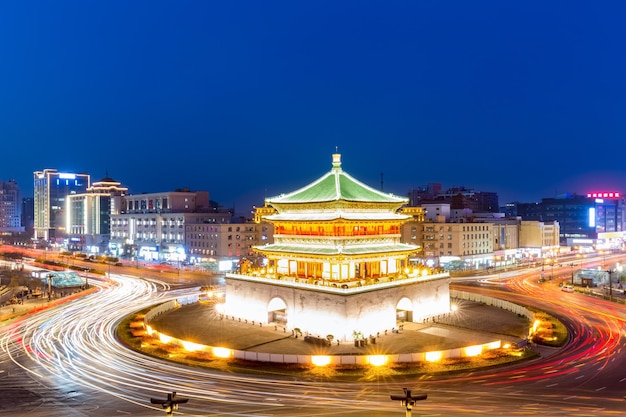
(277, 311)
(337, 266)
(404, 310)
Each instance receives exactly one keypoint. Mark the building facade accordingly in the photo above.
(457, 197)
(222, 240)
(539, 238)
(594, 220)
(28, 214)
(51, 189)
(10, 208)
(89, 215)
(152, 227)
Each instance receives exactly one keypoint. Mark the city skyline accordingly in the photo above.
(248, 101)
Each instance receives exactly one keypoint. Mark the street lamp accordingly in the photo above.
(610, 285)
(50, 276)
(552, 269)
(408, 400)
(171, 404)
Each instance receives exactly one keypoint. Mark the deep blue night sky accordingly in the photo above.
(249, 99)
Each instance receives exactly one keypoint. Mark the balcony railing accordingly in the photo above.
(337, 287)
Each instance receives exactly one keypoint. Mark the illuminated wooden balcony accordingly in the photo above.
(340, 286)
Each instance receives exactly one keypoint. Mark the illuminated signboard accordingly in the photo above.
(592, 217)
(604, 195)
(67, 176)
(225, 266)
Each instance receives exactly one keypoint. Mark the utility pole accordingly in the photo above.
(171, 404)
(408, 399)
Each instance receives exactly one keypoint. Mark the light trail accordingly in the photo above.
(77, 342)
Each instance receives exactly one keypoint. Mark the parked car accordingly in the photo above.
(567, 288)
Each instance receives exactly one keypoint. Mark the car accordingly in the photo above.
(567, 288)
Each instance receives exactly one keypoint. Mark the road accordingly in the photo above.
(66, 361)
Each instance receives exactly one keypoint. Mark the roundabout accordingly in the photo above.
(476, 335)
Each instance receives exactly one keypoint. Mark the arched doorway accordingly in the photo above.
(277, 311)
(404, 310)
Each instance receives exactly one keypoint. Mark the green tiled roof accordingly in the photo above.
(334, 186)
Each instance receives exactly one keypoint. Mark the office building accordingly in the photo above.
(89, 216)
(595, 219)
(152, 227)
(51, 189)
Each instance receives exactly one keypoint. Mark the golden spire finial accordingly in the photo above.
(336, 160)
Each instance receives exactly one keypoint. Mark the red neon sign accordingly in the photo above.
(604, 195)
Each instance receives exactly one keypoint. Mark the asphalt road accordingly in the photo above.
(66, 361)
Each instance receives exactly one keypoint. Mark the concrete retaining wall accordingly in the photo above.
(490, 301)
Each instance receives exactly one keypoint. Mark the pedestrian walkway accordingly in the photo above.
(476, 324)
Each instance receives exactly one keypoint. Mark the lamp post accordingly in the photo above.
(610, 285)
(171, 404)
(408, 400)
(50, 276)
(572, 269)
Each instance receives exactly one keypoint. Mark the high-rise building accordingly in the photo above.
(51, 189)
(10, 207)
(28, 214)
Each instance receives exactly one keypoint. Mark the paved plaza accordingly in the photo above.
(474, 323)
